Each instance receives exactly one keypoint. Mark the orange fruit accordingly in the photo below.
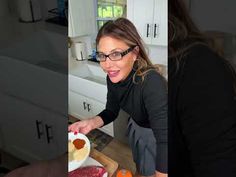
(124, 173)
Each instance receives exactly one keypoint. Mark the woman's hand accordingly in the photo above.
(85, 126)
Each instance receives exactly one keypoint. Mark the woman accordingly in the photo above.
(135, 86)
(202, 106)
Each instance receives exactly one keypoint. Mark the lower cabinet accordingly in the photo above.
(30, 132)
(80, 106)
(83, 107)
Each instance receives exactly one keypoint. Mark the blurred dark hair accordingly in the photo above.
(184, 34)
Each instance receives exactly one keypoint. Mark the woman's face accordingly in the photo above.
(116, 70)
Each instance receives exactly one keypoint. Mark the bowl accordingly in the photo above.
(75, 163)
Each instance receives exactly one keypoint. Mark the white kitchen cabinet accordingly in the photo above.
(80, 106)
(150, 18)
(97, 108)
(83, 107)
(31, 133)
(55, 141)
(87, 92)
(160, 22)
(81, 18)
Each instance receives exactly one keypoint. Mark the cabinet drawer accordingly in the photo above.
(79, 106)
(83, 107)
(33, 127)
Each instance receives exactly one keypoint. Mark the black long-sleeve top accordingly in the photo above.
(146, 103)
(202, 116)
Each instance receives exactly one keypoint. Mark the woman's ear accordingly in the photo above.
(136, 53)
(136, 49)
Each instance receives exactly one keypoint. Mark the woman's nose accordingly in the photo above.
(107, 62)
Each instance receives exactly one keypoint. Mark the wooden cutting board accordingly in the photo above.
(110, 165)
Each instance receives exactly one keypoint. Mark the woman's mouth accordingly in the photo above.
(113, 73)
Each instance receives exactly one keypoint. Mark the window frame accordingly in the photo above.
(97, 19)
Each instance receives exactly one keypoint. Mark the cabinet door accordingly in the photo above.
(61, 123)
(160, 23)
(22, 133)
(79, 106)
(141, 14)
(55, 141)
(97, 107)
(81, 17)
(83, 107)
(150, 18)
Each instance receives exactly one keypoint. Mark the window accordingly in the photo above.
(109, 10)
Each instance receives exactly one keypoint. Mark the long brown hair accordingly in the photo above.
(124, 30)
(184, 34)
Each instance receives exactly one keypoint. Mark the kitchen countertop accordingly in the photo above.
(12, 30)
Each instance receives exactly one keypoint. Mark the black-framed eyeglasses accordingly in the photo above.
(114, 56)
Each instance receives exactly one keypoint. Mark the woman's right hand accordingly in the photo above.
(85, 126)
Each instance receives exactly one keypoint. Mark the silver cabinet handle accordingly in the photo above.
(49, 137)
(89, 107)
(148, 26)
(155, 30)
(84, 103)
(38, 125)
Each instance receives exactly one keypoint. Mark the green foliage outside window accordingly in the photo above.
(110, 9)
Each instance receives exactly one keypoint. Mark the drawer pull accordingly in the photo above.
(148, 26)
(38, 125)
(84, 103)
(155, 30)
(49, 137)
(89, 107)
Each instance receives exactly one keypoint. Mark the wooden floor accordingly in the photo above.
(121, 153)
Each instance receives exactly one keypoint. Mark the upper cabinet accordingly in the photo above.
(81, 18)
(150, 18)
